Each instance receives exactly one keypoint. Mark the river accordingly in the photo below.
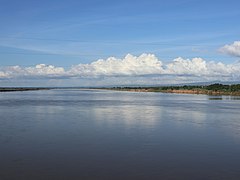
(101, 134)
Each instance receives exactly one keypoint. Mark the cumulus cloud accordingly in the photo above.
(179, 66)
(200, 67)
(232, 49)
(39, 70)
(129, 65)
(145, 65)
(2, 75)
(43, 69)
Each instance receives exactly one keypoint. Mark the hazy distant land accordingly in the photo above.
(11, 89)
(213, 89)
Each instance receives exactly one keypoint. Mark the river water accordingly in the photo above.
(100, 134)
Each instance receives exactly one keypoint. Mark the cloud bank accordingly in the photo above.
(40, 70)
(130, 65)
(145, 65)
(232, 49)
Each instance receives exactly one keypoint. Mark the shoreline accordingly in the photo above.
(212, 93)
(178, 90)
(6, 89)
(212, 90)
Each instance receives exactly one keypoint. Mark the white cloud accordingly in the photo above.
(232, 49)
(179, 66)
(124, 70)
(200, 67)
(129, 65)
(2, 75)
(38, 70)
(43, 69)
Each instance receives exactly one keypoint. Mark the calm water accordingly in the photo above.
(89, 134)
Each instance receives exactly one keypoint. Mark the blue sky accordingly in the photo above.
(65, 33)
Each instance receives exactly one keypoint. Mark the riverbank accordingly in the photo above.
(213, 89)
(207, 92)
(7, 89)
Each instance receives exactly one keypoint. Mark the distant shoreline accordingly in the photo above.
(213, 89)
(6, 89)
(213, 93)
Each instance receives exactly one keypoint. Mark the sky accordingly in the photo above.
(127, 42)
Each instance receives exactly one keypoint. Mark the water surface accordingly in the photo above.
(97, 134)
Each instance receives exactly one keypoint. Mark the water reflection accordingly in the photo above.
(144, 116)
(196, 118)
(224, 98)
